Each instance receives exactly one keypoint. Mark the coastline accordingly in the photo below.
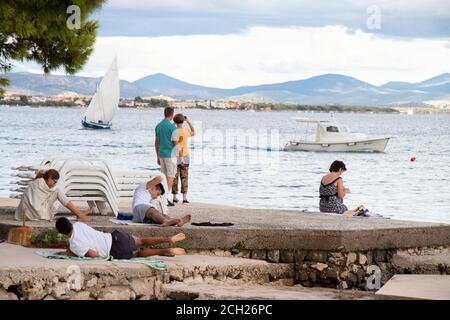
(340, 109)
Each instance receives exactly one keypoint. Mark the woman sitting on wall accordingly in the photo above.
(38, 199)
(332, 192)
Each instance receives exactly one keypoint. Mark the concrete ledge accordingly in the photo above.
(32, 277)
(325, 250)
(264, 229)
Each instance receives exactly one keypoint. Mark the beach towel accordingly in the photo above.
(124, 216)
(369, 215)
(155, 264)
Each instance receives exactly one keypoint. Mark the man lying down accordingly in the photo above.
(85, 241)
(146, 195)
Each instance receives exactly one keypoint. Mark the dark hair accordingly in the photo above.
(178, 118)
(160, 187)
(168, 112)
(64, 226)
(52, 173)
(337, 165)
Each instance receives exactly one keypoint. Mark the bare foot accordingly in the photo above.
(184, 219)
(177, 237)
(176, 251)
(170, 222)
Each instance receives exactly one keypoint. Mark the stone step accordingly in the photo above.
(422, 264)
(40, 278)
(226, 269)
(220, 291)
(412, 286)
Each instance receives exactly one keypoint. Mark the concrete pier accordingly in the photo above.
(271, 229)
(310, 250)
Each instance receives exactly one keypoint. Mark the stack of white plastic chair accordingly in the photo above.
(89, 179)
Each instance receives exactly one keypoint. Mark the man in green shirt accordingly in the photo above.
(166, 140)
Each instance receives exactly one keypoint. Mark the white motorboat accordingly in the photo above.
(104, 103)
(333, 137)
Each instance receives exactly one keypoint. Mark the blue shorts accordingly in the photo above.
(123, 245)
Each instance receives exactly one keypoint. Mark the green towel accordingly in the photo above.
(155, 264)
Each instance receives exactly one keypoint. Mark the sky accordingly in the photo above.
(230, 43)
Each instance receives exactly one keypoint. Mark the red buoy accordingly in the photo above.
(412, 159)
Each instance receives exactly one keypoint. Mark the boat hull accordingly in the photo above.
(93, 125)
(368, 145)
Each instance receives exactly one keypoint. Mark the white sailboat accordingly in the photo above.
(105, 101)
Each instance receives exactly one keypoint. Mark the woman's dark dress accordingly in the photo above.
(329, 199)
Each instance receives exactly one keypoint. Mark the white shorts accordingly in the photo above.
(168, 166)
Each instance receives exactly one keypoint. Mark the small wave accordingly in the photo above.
(235, 147)
(268, 149)
(308, 197)
(126, 146)
(290, 186)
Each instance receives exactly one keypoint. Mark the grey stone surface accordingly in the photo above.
(426, 264)
(408, 286)
(290, 230)
(379, 255)
(39, 278)
(258, 292)
(287, 256)
(273, 255)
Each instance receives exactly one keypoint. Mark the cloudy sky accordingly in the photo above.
(229, 43)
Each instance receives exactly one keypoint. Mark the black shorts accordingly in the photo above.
(122, 246)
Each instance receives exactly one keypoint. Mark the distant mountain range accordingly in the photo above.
(322, 89)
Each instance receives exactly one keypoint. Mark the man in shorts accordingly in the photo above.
(166, 140)
(145, 212)
(85, 241)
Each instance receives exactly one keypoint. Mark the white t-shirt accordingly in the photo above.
(85, 238)
(141, 195)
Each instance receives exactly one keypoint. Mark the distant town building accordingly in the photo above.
(12, 96)
(37, 99)
(224, 104)
(182, 104)
(127, 103)
(159, 97)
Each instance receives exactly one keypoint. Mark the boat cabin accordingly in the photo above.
(329, 130)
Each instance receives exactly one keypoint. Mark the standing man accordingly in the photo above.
(166, 140)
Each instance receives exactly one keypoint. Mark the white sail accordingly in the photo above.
(104, 103)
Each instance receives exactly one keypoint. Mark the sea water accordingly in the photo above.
(237, 157)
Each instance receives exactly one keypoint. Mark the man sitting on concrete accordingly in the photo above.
(85, 241)
(145, 212)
